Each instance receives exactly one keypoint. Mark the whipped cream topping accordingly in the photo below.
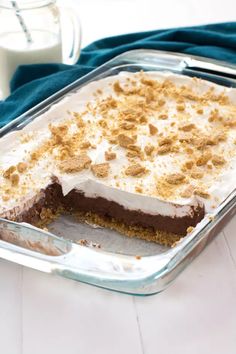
(171, 118)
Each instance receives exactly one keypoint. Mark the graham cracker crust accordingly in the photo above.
(160, 237)
(51, 207)
(132, 223)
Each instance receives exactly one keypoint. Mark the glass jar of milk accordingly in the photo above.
(31, 32)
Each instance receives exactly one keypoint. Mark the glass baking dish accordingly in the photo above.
(102, 257)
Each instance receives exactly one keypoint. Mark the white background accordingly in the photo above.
(40, 313)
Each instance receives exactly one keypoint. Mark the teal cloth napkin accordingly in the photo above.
(33, 83)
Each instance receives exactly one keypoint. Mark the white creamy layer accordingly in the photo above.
(13, 150)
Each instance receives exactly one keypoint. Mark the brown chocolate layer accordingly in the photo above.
(42, 210)
(76, 201)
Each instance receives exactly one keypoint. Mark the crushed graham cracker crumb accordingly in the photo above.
(218, 160)
(187, 127)
(188, 164)
(5, 198)
(164, 141)
(21, 167)
(85, 145)
(165, 149)
(75, 164)
(138, 189)
(110, 155)
(133, 153)
(152, 129)
(201, 193)
(163, 116)
(135, 170)
(199, 111)
(127, 125)
(125, 140)
(117, 88)
(14, 178)
(149, 149)
(100, 170)
(134, 148)
(175, 178)
(187, 192)
(196, 174)
(180, 107)
(9, 171)
(202, 160)
(190, 229)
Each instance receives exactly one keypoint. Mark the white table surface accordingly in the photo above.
(40, 313)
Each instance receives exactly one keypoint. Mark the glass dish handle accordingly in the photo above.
(29, 246)
(115, 272)
(177, 62)
(71, 17)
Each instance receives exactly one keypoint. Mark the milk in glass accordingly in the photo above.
(31, 32)
(15, 50)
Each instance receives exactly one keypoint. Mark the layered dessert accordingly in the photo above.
(148, 154)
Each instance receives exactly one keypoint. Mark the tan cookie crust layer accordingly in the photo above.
(160, 237)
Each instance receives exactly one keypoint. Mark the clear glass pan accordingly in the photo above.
(115, 265)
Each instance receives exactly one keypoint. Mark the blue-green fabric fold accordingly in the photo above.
(32, 84)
